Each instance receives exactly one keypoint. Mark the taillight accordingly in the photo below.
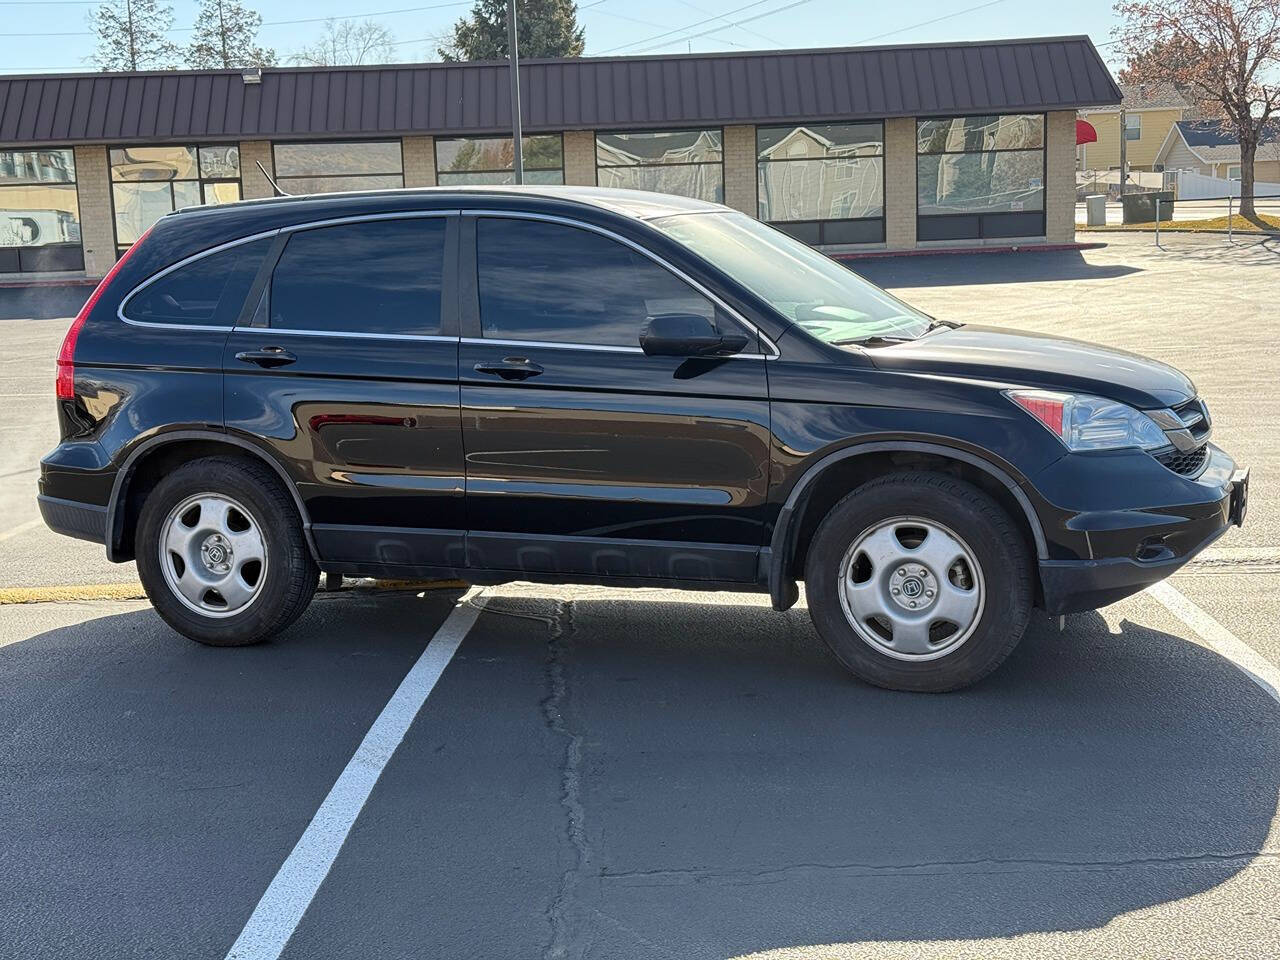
(66, 385)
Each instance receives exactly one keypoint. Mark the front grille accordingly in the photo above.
(1185, 464)
(1195, 415)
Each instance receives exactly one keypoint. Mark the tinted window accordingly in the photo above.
(381, 276)
(207, 291)
(547, 281)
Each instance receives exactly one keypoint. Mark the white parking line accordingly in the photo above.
(1219, 639)
(20, 528)
(294, 886)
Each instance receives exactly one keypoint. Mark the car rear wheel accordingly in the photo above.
(919, 581)
(221, 553)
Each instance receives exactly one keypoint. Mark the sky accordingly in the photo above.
(39, 36)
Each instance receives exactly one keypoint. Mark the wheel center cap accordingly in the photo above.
(912, 586)
(216, 553)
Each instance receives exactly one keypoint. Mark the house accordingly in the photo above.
(1211, 147)
(1150, 111)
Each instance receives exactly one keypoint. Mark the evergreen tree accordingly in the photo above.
(226, 35)
(545, 28)
(133, 35)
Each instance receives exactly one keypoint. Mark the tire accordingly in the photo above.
(217, 515)
(867, 557)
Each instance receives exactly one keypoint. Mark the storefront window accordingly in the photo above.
(689, 163)
(39, 212)
(823, 183)
(149, 182)
(479, 160)
(336, 167)
(987, 172)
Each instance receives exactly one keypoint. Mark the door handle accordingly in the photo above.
(267, 357)
(510, 368)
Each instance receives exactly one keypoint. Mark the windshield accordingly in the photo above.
(829, 301)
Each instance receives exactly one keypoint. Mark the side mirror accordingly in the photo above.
(687, 335)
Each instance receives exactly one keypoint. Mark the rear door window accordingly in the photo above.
(376, 276)
(208, 291)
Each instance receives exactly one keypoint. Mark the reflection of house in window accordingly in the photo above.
(688, 163)
(799, 168)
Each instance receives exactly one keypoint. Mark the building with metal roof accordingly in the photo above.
(871, 147)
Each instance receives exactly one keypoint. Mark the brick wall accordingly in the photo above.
(900, 182)
(419, 161)
(580, 157)
(1060, 177)
(97, 228)
(740, 189)
(253, 185)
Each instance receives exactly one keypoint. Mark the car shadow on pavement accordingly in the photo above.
(968, 269)
(151, 787)
(739, 793)
(42, 302)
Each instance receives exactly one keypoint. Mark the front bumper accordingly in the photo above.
(1134, 548)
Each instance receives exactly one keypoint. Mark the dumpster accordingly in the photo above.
(1095, 210)
(1141, 207)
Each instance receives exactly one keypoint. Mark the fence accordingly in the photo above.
(1196, 186)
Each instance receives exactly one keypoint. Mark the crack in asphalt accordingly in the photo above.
(941, 867)
(554, 708)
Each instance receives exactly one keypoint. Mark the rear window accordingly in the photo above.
(206, 292)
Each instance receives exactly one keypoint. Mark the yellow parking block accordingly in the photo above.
(69, 591)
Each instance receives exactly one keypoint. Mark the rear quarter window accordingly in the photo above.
(208, 291)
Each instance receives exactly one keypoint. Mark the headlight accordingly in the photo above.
(1090, 423)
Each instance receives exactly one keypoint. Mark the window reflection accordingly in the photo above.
(339, 166)
(688, 163)
(491, 160)
(39, 211)
(148, 182)
(819, 172)
(980, 165)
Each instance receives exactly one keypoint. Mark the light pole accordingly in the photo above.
(513, 49)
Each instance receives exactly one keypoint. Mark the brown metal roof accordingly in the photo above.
(590, 93)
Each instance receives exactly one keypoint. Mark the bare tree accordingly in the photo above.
(133, 35)
(348, 43)
(226, 35)
(1225, 53)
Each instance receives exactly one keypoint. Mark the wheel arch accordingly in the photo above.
(143, 467)
(835, 474)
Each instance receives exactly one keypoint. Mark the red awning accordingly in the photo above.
(1085, 132)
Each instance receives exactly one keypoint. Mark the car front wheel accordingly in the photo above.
(919, 581)
(221, 553)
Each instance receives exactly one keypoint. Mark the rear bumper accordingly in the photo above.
(1154, 544)
(84, 521)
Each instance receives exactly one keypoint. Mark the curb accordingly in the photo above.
(952, 251)
(69, 282)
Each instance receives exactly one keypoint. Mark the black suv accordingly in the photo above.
(585, 385)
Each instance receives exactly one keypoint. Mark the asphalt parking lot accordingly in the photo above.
(617, 774)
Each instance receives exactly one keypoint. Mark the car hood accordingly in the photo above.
(1038, 360)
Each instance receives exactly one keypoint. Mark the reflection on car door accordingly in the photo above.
(583, 455)
(349, 368)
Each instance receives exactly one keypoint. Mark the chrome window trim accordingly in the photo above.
(773, 353)
(273, 331)
(291, 228)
